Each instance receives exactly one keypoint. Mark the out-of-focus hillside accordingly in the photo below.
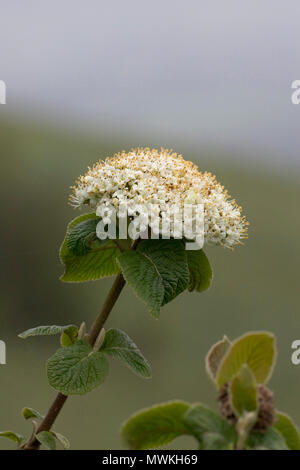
(255, 287)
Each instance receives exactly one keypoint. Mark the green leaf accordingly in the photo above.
(214, 441)
(13, 436)
(200, 419)
(243, 391)
(77, 370)
(69, 336)
(48, 330)
(200, 270)
(29, 413)
(94, 264)
(215, 355)
(82, 238)
(46, 439)
(117, 343)
(61, 439)
(156, 426)
(157, 271)
(287, 428)
(270, 440)
(257, 350)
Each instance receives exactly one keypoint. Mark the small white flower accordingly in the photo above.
(160, 183)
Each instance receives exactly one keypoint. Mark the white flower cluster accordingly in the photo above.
(161, 183)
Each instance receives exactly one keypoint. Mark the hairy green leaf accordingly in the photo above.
(77, 370)
(287, 428)
(156, 426)
(29, 413)
(49, 330)
(82, 265)
(243, 391)
(83, 236)
(200, 419)
(215, 355)
(214, 441)
(61, 439)
(257, 350)
(13, 436)
(69, 336)
(117, 343)
(157, 271)
(46, 439)
(270, 440)
(200, 270)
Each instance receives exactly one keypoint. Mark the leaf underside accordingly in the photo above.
(209, 427)
(48, 330)
(200, 270)
(215, 355)
(118, 344)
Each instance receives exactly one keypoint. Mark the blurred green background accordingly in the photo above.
(255, 287)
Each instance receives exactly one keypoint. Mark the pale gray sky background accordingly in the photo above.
(215, 73)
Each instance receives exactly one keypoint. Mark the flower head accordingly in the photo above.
(165, 181)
